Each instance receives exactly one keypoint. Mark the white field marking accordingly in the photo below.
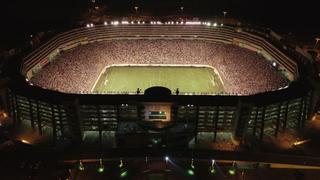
(95, 83)
(155, 65)
(214, 69)
(212, 78)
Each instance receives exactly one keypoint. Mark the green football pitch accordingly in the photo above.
(126, 79)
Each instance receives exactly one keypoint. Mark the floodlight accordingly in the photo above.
(80, 166)
(101, 167)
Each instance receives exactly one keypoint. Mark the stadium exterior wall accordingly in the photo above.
(71, 115)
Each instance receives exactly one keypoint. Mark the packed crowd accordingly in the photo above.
(242, 71)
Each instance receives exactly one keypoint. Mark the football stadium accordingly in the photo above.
(160, 83)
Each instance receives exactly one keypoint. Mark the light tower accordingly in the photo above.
(181, 9)
(224, 14)
(136, 9)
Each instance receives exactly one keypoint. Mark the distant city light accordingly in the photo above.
(105, 23)
(215, 24)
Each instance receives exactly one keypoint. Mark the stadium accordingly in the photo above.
(160, 83)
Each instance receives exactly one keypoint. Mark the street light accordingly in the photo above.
(101, 166)
(212, 168)
(232, 170)
(123, 170)
(80, 166)
(191, 169)
(317, 40)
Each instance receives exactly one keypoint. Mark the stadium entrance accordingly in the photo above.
(156, 115)
(157, 112)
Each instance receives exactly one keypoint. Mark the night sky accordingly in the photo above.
(23, 17)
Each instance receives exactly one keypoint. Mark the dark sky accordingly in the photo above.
(21, 17)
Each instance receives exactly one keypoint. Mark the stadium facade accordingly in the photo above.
(72, 115)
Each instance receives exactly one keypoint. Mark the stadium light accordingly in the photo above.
(208, 24)
(215, 24)
(193, 23)
(123, 170)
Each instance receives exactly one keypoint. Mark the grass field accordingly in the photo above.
(123, 79)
